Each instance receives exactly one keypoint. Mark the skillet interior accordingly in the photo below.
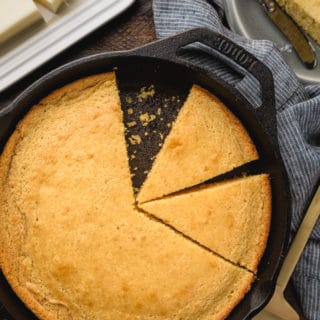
(171, 79)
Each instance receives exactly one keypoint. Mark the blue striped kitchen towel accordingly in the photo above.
(298, 116)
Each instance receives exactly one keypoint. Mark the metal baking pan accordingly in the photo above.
(161, 64)
(251, 21)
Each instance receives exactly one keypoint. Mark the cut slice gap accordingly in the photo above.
(185, 236)
(150, 104)
(252, 168)
(206, 140)
(231, 218)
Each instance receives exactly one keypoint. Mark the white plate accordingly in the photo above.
(38, 44)
(249, 19)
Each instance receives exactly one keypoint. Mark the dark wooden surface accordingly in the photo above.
(133, 28)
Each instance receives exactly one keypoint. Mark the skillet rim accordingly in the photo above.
(10, 115)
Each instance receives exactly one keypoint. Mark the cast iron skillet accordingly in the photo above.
(162, 63)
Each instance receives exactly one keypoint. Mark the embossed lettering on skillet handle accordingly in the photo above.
(228, 51)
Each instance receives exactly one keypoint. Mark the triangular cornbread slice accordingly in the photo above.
(72, 246)
(231, 218)
(206, 140)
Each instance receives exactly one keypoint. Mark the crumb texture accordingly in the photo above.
(206, 140)
(231, 218)
(73, 246)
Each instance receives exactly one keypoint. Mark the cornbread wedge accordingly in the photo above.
(52, 5)
(206, 140)
(231, 218)
(16, 16)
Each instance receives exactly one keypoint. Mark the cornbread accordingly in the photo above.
(72, 243)
(52, 5)
(231, 218)
(306, 13)
(16, 16)
(206, 140)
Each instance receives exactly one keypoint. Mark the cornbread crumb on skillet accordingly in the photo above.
(231, 218)
(72, 244)
(306, 13)
(206, 140)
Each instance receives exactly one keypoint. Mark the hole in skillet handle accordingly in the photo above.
(168, 49)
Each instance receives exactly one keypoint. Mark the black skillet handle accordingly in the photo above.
(5, 125)
(168, 49)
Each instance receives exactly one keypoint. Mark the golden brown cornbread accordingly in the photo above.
(72, 244)
(206, 140)
(231, 218)
(306, 13)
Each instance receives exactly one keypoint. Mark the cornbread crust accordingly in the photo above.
(206, 140)
(232, 218)
(68, 233)
(306, 13)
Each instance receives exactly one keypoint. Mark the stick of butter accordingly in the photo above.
(52, 5)
(15, 16)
